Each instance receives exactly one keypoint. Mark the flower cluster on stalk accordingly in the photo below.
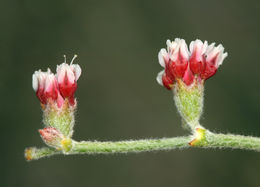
(199, 62)
(56, 94)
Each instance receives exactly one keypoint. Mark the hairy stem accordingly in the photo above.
(135, 146)
(33, 153)
(89, 147)
(233, 142)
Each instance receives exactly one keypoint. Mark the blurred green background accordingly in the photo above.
(119, 98)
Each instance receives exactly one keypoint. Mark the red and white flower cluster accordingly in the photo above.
(58, 87)
(200, 61)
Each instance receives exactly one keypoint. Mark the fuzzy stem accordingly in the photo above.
(96, 147)
(33, 153)
(134, 146)
(233, 142)
(89, 147)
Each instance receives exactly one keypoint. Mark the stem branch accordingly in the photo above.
(88, 147)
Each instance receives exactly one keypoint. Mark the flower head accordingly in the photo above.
(45, 86)
(200, 62)
(67, 76)
(57, 88)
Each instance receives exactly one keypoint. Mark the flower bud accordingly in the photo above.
(52, 137)
(180, 61)
(197, 50)
(45, 85)
(214, 57)
(67, 76)
(165, 77)
(38, 84)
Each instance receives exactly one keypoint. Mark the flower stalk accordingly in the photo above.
(214, 141)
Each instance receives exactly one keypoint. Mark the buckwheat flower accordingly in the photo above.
(46, 87)
(56, 94)
(175, 62)
(38, 84)
(197, 56)
(67, 76)
(179, 63)
(185, 71)
(180, 59)
(165, 77)
(213, 58)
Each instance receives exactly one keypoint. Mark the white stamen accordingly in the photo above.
(75, 56)
(64, 58)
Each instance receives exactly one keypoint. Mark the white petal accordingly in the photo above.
(177, 40)
(168, 43)
(38, 79)
(212, 51)
(205, 46)
(171, 46)
(197, 49)
(70, 75)
(159, 77)
(175, 54)
(210, 48)
(49, 82)
(221, 58)
(62, 70)
(191, 47)
(161, 56)
(197, 44)
(35, 81)
(184, 49)
(77, 71)
(215, 51)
